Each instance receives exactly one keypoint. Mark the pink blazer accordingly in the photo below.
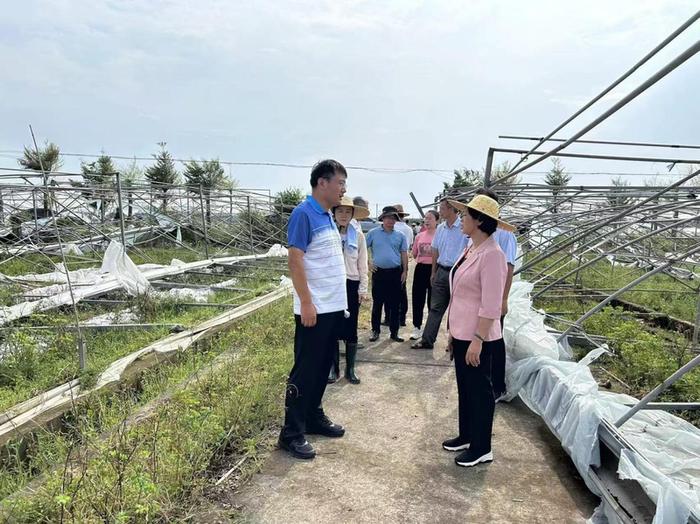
(476, 290)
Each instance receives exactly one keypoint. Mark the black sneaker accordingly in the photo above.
(469, 458)
(374, 336)
(298, 448)
(396, 338)
(455, 444)
(325, 427)
(422, 344)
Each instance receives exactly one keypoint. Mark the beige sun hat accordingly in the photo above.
(359, 212)
(399, 208)
(486, 205)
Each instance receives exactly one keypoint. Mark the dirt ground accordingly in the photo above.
(390, 466)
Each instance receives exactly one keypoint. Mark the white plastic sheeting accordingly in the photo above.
(566, 396)
(524, 330)
(118, 264)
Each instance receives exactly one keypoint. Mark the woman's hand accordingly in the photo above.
(474, 352)
(372, 268)
(363, 297)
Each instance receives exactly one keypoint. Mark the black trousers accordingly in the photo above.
(421, 288)
(475, 393)
(386, 289)
(314, 350)
(403, 306)
(498, 366)
(349, 332)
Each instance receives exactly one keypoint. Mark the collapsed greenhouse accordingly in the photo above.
(121, 304)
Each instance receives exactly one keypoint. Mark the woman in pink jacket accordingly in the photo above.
(476, 284)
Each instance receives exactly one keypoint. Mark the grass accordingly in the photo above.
(149, 471)
(670, 296)
(39, 360)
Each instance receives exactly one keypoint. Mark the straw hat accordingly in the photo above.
(359, 212)
(487, 206)
(389, 211)
(399, 208)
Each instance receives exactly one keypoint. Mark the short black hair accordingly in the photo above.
(434, 213)
(359, 201)
(486, 191)
(326, 169)
(486, 223)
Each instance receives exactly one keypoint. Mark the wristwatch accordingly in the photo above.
(479, 337)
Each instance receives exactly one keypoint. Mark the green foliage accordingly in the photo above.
(19, 360)
(464, 179)
(207, 174)
(556, 179)
(162, 175)
(98, 173)
(617, 196)
(140, 472)
(47, 159)
(287, 199)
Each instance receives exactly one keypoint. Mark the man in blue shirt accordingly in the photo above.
(389, 250)
(317, 270)
(448, 244)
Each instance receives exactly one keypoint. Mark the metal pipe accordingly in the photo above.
(82, 355)
(601, 142)
(121, 210)
(676, 62)
(617, 82)
(689, 366)
(586, 232)
(415, 201)
(626, 288)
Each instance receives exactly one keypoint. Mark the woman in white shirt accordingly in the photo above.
(355, 254)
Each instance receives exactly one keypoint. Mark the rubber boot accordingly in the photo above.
(335, 368)
(350, 354)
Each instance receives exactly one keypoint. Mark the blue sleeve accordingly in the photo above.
(404, 243)
(369, 238)
(298, 231)
(509, 246)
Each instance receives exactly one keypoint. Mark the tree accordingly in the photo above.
(130, 175)
(504, 188)
(556, 179)
(464, 180)
(46, 160)
(617, 197)
(287, 199)
(206, 177)
(162, 175)
(98, 176)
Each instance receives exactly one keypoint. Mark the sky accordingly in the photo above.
(397, 84)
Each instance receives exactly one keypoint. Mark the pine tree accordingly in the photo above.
(98, 177)
(162, 175)
(556, 179)
(206, 176)
(46, 160)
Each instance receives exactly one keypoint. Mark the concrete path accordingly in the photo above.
(390, 466)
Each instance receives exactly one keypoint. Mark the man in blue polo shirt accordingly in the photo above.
(317, 269)
(448, 244)
(389, 250)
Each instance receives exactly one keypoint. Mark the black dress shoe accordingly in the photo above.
(325, 427)
(374, 336)
(298, 448)
(396, 338)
